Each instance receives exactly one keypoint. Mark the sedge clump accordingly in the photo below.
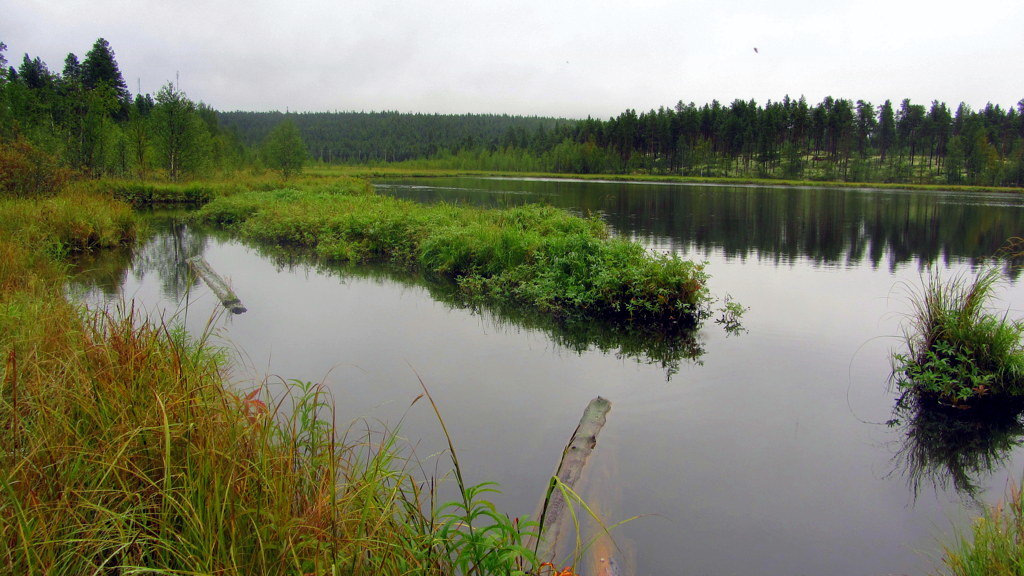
(959, 352)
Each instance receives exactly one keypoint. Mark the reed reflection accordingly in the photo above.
(950, 447)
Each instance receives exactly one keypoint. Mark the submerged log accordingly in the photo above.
(217, 284)
(570, 468)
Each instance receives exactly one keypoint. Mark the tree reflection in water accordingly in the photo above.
(162, 249)
(166, 253)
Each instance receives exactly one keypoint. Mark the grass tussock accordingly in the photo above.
(157, 193)
(151, 193)
(959, 351)
(536, 256)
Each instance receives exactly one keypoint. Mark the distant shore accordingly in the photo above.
(386, 171)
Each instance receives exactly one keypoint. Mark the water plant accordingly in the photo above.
(958, 351)
(731, 315)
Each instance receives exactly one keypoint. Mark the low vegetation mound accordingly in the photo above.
(959, 352)
(537, 256)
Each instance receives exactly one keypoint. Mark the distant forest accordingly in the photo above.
(835, 139)
(356, 137)
(85, 119)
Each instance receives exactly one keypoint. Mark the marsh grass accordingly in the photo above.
(959, 352)
(535, 256)
(125, 451)
(963, 381)
(995, 545)
(128, 453)
(157, 193)
(68, 223)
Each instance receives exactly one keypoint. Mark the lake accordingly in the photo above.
(775, 450)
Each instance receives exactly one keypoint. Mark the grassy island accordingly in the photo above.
(959, 352)
(534, 256)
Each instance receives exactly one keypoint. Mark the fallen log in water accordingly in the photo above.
(217, 284)
(570, 468)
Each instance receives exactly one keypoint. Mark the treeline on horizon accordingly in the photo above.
(834, 140)
(84, 119)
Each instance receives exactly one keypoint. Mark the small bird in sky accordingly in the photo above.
(755, 50)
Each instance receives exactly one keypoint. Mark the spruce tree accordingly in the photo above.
(100, 67)
(72, 70)
(886, 129)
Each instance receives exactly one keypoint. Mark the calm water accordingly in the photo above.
(766, 452)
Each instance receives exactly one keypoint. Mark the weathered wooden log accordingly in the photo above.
(217, 284)
(570, 468)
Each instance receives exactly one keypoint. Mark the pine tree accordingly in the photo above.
(72, 70)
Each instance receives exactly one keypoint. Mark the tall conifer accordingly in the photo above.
(101, 67)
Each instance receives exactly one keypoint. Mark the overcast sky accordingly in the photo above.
(569, 58)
